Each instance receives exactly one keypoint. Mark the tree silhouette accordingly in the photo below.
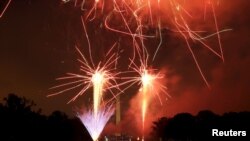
(19, 121)
(159, 128)
(15, 103)
(185, 127)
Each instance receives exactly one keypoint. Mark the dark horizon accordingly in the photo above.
(20, 120)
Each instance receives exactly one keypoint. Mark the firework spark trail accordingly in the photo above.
(89, 45)
(184, 29)
(126, 23)
(160, 42)
(193, 35)
(218, 33)
(5, 8)
(96, 123)
(93, 11)
(180, 23)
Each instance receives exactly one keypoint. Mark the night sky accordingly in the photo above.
(38, 38)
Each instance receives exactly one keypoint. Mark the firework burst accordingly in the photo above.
(150, 85)
(101, 78)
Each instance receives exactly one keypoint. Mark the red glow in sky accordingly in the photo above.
(37, 41)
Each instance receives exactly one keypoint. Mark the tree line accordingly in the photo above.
(19, 121)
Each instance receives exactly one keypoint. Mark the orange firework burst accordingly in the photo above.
(150, 83)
